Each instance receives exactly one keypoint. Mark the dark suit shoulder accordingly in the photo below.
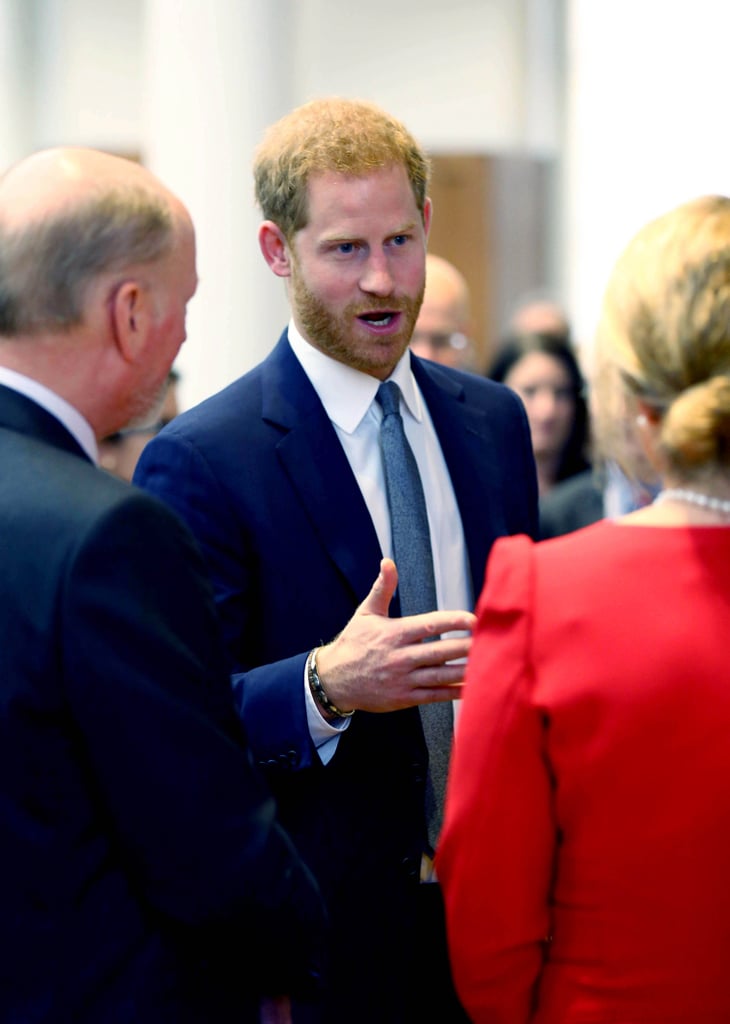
(496, 407)
(40, 480)
(279, 378)
(471, 384)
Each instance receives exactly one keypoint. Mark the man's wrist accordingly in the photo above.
(329, 709)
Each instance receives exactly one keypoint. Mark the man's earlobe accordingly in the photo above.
(275, 248)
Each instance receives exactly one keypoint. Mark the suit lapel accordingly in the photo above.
(467, 443)
(314, 460)
(24, 416)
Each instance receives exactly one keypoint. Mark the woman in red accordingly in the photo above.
(585, 857)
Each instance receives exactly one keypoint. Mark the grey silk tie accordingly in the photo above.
(416, 585)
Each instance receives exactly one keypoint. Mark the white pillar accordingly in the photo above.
(646, 127)
(216, 74)
(16, 81)
(86, 73)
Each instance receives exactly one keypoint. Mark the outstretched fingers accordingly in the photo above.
(432, 625)
(438, 652)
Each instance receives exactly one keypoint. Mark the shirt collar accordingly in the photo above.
(346, 393)
(63, 411)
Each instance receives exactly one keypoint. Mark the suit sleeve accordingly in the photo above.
(146, 678)
(269, 697)
(496, 853)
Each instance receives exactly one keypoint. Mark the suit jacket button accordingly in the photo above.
(410, 866)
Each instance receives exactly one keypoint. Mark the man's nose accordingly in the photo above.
(377, 278)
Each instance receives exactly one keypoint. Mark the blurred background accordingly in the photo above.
(556, 128)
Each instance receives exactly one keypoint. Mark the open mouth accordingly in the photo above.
(379, 319)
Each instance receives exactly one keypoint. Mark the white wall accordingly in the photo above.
(191, 85)
(87, 73)
(646, 127)
(453, 72)
(16, 96)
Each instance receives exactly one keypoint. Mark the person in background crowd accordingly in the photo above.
(544, 371)
(443, 328)
(587, 835)
(120, 452)
(283, 478)
(604, 490)
(146, 877)
(538, 312)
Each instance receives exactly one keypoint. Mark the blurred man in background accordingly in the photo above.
(119, 452)
(443, 329)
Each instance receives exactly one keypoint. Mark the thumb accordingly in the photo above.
(378, 600)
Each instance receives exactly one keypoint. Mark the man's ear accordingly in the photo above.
(427, 211)
(130, 318)
(275, 248)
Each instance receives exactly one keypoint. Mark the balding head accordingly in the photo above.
(68, 215)
(447, 291)
(444, 323)
(539, 314)
(97, 265)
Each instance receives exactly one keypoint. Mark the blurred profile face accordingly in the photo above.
(358, 268)
(437, 337)
(173, 282)
(441, 330)
(120, 453)
(546, 389)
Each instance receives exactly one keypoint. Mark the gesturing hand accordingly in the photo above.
(382, 664)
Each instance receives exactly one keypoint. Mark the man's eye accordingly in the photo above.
(346, 248)
(400, 239)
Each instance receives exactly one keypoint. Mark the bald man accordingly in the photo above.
(145, 876)
(442, 331)
(538, 313)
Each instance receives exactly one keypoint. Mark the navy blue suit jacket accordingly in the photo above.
(259, 474)
(141, 851)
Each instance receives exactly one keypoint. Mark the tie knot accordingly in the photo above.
(388, 398)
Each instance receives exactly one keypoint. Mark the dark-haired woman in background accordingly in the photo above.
(544, 371)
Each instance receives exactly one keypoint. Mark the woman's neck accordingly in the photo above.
(688, 504)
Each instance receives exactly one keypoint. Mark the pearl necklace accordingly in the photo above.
(694, 498)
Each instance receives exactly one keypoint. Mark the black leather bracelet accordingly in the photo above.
(317, 689)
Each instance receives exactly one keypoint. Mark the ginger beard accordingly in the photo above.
(336, 334)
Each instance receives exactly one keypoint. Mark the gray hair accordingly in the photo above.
(46, 266)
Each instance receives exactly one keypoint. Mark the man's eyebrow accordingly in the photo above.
(354, 236)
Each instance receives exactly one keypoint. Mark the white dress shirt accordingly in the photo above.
(71, 418)
(348, 397)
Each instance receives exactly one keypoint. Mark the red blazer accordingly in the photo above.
(585, 857)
